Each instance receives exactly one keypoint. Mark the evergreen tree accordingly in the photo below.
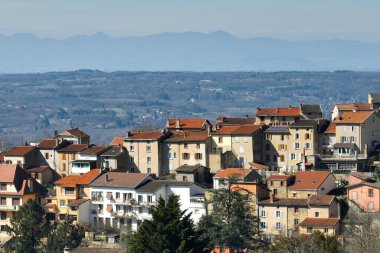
(28, 226)
(170, 231)
(65, 234)
(231, 221)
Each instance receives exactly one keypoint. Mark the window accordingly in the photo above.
(198, 145)
(220, 139)
(141, 209)
(316, 214)
(282, 137)
(15, 201)
(307, 136)
(343, 139)
(140, 198)
(296, 209)
(149, 159)
(296, 221)
(46, 155)
(263, 225)
(268, 136)
(184, 178)
(278, 214)
(241, 149)
(72, 156)
(281, 183)
(3, 187)
(131, 148)
(63, 156)
(267, 147)
(282, 158)
(3, 201)
(132, 159)
(309, 230)
(370, 193)
(275, 192)
(297, 145)
(149, 170)
(148, 148)
(294, 195)
(118, 195)
(198, 156)
(326, 230)
(307, 145)
(352, 128)
(3, 215)
(292, 156)
(185, 156)
(297, 136)
(62, 202)
(185, 145)
(263, 213)
(278, 225)
(150, 199)
(196, 211)
(69, 190)
(352, 139)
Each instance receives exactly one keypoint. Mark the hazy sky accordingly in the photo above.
(288, 19)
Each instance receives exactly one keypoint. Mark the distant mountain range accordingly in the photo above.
(189, 51)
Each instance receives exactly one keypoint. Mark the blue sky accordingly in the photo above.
(286, 19)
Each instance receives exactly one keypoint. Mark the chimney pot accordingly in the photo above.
(271, 198)
(107, 179)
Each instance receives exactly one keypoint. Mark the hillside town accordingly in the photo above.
(306, 173)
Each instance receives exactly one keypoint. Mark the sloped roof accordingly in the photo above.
(188, 168)
(284, 202)
(8, 172)
(120, 180)
(187, 123)
(72, 148)
(94, 150)
(188, 136)
(38, 169)
(309, 180)
(351, 117)
(330, 129)
(147, 135)
(19, 151)
(279, 112)
(114, 151)
(259, 166)
(48, 144)
(277, 129)
(74, 180)
(232, 172)
(355, 106)
(235, 121)
(279, 177)
(77, 202)
(304, 123)
(74, 132)
(117, 141)
(319, 222)
(155, 185)
(311, 108)
(321, 200)
(241, 130)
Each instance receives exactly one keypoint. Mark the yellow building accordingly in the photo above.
(275, 148)
(15, 190)
(66, 155)
(72, 198)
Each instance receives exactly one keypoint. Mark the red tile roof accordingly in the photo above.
(120, 180)
(19, 151)
(353, 117)
(233, 172)
(95, 150)
(331, 128)
(48, 144)
(188, 136)
(117, 141)
(39, 169)
(279, 112)
(319, 222)
(309, 180)
(74, 132)
(72, 148)
(278, 177)
(284, 202)
(74, 180)
(8, 172)
(235, 121)
(241, 130)
(149, 135)
(187, 123)
(350, 107)
(321, 200)
(259, 166)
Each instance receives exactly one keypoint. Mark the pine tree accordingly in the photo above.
(170, 231)
(231, 222)
(28, 227)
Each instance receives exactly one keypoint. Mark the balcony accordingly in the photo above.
(9, 208)
(350, 157)
(125, 201)
(97, 199)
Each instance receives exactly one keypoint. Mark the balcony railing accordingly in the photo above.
(344, 156)
(8, 208)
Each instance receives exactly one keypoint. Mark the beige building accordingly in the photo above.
(308, 183)
(66, 155)
(357, 133)
(48, 151)
(145, 152)
(75, 136)
(186, 148)
(188, 124)
(116, 158)
(243, 141)
(24, 156)
(278, 185)
(276, 148)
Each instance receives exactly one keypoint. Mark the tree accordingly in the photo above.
(65, 234)
(314, 243)
(170, 231)
(231, 222)
(28, 227)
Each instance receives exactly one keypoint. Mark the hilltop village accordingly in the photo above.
(307, 173)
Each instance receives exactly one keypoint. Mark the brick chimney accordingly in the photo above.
(177, 125)
(271, 198)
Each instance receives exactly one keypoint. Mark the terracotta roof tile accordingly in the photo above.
(242, 130)
(95, 150)
(39, 169)
(74, 180)
(72, 148)
(117, 141)
(7, 173)
(319, 222)
(279, 177)
(148, 135)
(233, 172)
(351, 107)
(187, 123)
(74, 132)
(259, 166)
(235, 121)
(120, 180)
(331, 128)
(309, 180)
(19, 151)
(48, 144)
(279, 112)
(353, 117)
(188, 136)
(284, 202)
(320, 200)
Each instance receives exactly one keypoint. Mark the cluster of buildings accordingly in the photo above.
(289, 158)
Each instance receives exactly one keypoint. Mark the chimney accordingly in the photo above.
(129, 134)
(107, 179)
(177, 125)
(290, 106)
(55, 133)
(66, 250)
(271, 198)
(30, 184)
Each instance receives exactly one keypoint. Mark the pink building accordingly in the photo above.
(366, 195)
